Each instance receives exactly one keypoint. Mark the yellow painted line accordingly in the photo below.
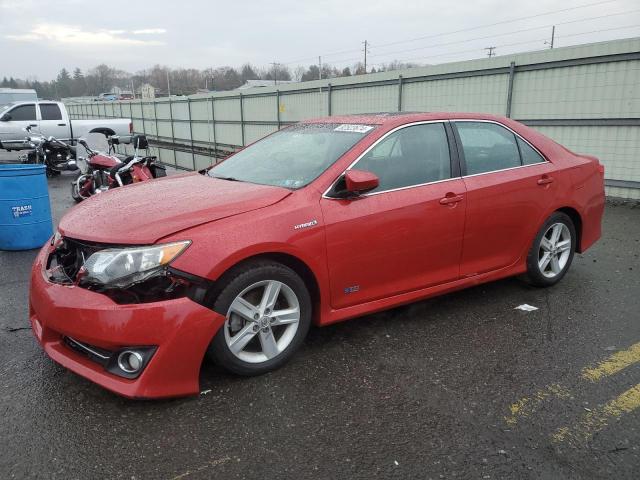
(528, 405)
(598, 419)
(616, 362)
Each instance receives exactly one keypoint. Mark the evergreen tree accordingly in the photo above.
(79, 85)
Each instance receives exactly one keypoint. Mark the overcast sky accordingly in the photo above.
(38, 37)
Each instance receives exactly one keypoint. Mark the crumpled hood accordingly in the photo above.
(147, 211)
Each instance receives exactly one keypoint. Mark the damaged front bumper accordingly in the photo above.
(176, 332)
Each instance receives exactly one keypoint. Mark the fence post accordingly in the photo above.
(213, 124)
(242, 119)
(278, 108)
(193, 155)
(155, 118)
(512, 73)
(399, 93)
(329, 99)
(144, 130)
(173, 137)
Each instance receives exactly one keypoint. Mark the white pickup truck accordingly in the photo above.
(51, 119)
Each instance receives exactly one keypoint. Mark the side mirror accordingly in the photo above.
(5, 118)
(360, 181)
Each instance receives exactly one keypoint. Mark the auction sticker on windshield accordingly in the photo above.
(345, 127)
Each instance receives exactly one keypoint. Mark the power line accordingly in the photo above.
(496, 23)
(476, 50)
(459, 31)
(484, 37)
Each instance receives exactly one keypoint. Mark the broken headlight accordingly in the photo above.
(123, 267)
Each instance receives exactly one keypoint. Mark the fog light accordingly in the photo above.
(130, 361)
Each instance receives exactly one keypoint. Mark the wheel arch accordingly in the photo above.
(575, 217)
(293, 262)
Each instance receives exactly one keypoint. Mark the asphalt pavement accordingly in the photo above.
(460, 386)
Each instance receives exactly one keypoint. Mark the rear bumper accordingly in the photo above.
(180, 329)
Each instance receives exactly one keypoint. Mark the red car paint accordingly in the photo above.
(364, 255)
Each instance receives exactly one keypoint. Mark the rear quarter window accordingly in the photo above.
(528, 154)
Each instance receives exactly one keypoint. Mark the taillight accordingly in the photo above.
(131, 127)
(601, 169)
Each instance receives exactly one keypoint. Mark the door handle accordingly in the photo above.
(62, 124)
(33, 125)
(545, 180)
(451, 198)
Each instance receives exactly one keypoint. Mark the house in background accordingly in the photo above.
(147, 91)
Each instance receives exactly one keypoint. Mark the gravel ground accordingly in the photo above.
(460, 386)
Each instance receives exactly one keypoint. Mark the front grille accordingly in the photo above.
(65, 262)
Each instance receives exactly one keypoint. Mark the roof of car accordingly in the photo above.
(400, 118)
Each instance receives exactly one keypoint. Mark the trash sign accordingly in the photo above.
(22, 211)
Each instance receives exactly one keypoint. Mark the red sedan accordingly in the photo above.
(320, 222)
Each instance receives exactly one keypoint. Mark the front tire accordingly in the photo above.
(552, 251)
(268, 314)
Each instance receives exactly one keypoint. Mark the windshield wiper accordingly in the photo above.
(231, 179)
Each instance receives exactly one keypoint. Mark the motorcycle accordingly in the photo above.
(56, 155)
(107, 170)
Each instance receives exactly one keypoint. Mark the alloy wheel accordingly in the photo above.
(262, 321)
(555, 250)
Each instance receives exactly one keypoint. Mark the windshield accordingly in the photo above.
(292, 157)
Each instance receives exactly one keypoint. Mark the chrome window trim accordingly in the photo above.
(451, 120)
(504, 169)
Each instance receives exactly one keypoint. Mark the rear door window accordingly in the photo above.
(487, 147)
(23, 113)
(50, 111)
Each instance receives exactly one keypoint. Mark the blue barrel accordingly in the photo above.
(25, 213)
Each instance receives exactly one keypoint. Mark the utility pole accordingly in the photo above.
(553, 37)
(319, 68)
(366, 47)
(491, 51)
(168, 85)
(275, 72)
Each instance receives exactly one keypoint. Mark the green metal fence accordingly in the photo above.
(586, 97)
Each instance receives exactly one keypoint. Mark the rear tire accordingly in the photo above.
(74, 192)
(268, 314)
(552, 251)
